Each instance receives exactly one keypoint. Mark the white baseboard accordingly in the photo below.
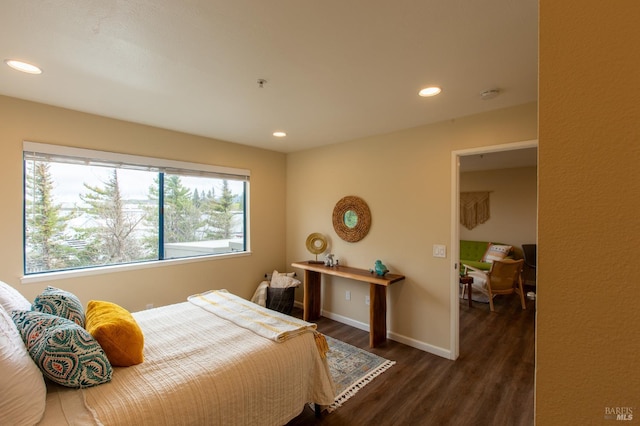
(436, 350)
(344, 320)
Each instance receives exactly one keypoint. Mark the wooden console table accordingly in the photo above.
(377, 294)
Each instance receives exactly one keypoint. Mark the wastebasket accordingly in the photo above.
(281, 299)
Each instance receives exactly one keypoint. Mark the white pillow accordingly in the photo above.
(289, 274)
(496, 252)
(283, 280)
(22, 386)
(11, 299)
(479, 289)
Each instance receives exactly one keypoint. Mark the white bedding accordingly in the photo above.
(201, 369)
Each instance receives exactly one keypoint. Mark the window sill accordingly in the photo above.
(101, 270)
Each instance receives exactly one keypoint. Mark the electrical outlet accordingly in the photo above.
(367, 300)
(149, 305)
(347, 295)
(439, 250)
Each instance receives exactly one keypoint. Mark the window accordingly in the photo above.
(85, 208)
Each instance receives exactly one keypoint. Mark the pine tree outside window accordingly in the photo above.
(86, 209)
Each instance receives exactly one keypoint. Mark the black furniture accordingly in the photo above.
(529, 252)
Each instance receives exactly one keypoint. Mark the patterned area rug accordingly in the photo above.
(352, 369)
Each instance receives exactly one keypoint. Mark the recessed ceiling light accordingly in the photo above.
(23, 66)
(279, 134)
(429, 91)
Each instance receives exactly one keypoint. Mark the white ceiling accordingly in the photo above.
(336, 70)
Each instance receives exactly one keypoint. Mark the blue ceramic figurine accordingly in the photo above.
(380, 268)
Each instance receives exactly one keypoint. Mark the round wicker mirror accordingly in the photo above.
(351, 218)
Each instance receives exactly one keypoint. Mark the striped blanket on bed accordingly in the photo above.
(262, 321)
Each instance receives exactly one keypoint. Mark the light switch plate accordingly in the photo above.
(439, 250)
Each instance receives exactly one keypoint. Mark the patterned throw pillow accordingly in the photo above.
(31, 325)
(65, 352)
(61, 303)
(496, 252)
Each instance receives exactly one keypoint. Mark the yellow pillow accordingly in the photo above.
(117, 332)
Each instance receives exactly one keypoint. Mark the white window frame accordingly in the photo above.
(89, 157)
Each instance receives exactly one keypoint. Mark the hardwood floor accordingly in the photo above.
(491, 383)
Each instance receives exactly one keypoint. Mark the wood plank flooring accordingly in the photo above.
(491, 383)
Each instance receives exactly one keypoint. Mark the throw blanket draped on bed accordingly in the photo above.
(270, 324)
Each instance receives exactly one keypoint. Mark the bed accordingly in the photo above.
(200, 368)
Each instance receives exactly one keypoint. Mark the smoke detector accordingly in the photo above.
(489, 94)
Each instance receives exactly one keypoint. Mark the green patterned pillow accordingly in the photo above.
(31, 324)
(65, 352)
(61, 303)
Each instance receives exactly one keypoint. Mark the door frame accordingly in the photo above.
(455, 228)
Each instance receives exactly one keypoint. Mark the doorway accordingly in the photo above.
(497, 156)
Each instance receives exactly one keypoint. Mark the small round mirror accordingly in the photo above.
(350, 219)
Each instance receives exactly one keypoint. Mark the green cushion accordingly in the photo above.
(485, 266)
(472, 250)
(471, 253)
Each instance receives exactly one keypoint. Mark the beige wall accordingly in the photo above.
(22, 120)
(589, 112)
(588, 326)
(513, 205)
(405, 179)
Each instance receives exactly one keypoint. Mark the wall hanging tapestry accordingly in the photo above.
(474, 208)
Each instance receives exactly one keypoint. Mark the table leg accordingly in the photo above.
(377, 314)
(466, 281)
(312, 293)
